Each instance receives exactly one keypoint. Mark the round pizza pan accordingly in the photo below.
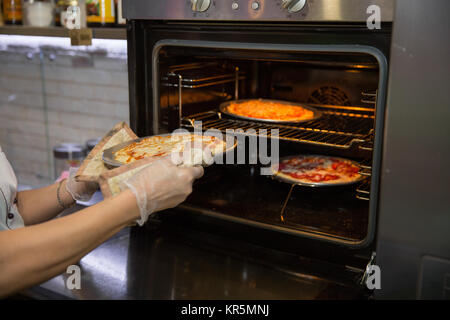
(108, 154)
(275, 175)
(224, 109)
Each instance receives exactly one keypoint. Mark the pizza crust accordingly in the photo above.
(110, 181)
(341, 180)
(93, 166)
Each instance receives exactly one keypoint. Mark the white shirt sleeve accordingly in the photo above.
(9, 214)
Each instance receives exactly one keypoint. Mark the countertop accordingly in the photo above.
(168, 262)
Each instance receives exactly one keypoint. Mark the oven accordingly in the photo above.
(187, 58)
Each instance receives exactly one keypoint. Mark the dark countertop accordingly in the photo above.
(172, 263)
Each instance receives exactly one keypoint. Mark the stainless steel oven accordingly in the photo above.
(186, 58)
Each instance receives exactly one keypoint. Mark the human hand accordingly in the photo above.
(192, 154)
(81, 191)
(161, 185)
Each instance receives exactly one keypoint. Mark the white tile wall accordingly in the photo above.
(83, 102)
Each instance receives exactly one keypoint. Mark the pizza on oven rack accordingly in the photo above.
(163, 145)
(270, 110)
(315, 170)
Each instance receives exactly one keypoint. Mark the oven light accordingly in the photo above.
(359, 66)
(355, 68)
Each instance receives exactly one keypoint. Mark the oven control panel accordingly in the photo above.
(200, 5)
(293, 6)
(257, 10)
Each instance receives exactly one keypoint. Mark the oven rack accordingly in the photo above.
(369, 97)
(366, 168)
(200, 75)
(337, 128)
(367, 145)
(363, 190)
(194, 84)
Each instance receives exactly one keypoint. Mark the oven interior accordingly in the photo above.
(193, 81)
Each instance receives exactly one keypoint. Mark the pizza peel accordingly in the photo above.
(109, 159)
(224, 109)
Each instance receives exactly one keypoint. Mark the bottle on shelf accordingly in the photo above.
(1, 14)
(100, 13)
(38, 13)
(12, 11)
(120, 20)
(72, 13)
(59, 4)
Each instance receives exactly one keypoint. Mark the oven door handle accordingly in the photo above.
(368, 271)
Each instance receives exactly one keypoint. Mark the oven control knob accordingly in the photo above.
(293, 6)
(200, 5)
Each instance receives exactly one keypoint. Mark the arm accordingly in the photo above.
(39, 205)
(35, 254)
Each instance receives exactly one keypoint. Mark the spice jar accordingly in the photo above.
(37, 13)
(67, 155)
(91, 143)
(72, 13)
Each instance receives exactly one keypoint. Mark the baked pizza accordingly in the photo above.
(270, 110)
(164, 145)
(317, 170)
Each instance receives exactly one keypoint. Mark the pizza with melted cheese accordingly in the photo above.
(317, 170)
(162, 146)
(269, 110)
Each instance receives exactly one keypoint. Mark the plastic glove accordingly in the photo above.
(161, 185)
(193, 154)
(81, 191)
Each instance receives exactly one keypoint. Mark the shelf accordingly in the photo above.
(335, 128)
(98, 33)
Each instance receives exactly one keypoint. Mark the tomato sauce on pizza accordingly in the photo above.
(161, 146)
(270, 110)
(310, 169)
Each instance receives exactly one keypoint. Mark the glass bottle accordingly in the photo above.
(120, 20)
(38, 13)
(100, 13)
(12, 11)
(72, 13)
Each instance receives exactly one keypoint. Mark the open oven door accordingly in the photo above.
(187, 257)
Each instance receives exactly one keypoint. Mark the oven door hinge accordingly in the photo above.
(368, 270)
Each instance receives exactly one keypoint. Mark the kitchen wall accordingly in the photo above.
(52, 93)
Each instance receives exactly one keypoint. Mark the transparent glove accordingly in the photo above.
(161, 185)
(193, 154)
(81, 191)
